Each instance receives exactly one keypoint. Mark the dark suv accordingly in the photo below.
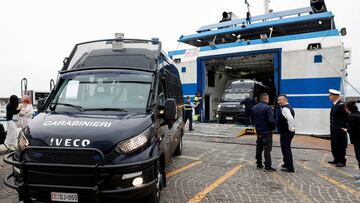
(229, 106)
(107, 130)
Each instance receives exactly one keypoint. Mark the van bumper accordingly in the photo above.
(92, 183)
(234, 115)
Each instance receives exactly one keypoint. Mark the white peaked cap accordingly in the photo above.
(332, 91)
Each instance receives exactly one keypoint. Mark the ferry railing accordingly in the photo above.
(260, 18)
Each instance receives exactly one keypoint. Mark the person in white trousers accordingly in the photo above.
(12, 108)
(26, 112)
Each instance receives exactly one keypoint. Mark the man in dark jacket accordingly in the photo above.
(338, 120)
(248, 103)
(353, 129)
(263, 119)
(188, 107)
(286, 126)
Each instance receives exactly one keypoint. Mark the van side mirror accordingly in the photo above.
(40, 105)
(170, 109)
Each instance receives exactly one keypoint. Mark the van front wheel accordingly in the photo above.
(155, 196)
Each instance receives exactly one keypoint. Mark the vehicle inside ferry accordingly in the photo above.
(219, 71)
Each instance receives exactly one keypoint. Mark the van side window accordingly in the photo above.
(171, 84)
(162, 92)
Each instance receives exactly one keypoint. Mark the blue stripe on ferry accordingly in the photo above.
(327, 33)
(189, 89)
(309, 85)
(177, 52)
(321, 102)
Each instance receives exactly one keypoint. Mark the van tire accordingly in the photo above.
(155, 196)
(178, 150)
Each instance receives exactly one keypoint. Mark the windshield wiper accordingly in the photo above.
(106, 109)
(71, 105)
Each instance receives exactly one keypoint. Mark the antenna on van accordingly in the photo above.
(117, 45)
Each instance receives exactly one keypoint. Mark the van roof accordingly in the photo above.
(133, 54)
(140, 58)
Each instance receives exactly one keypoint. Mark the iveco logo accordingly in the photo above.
(69, 142)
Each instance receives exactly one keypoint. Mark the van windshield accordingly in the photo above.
(102, 91)
(236, 91)
(235, 96)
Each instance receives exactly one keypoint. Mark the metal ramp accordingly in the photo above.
(247, 131)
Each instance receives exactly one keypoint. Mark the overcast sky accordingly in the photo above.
(36, 35)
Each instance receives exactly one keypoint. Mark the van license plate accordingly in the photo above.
(64, 197)
(229, 118)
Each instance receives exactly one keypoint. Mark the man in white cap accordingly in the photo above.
(338, 120)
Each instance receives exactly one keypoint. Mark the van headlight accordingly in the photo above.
(23, 142)
(219, 105)
(135, 143)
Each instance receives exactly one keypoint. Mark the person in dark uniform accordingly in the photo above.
(248, 103)
(353, 128)
(197, 103)
(188, 106)
(263, 119)
(338, 120)
(286, 126)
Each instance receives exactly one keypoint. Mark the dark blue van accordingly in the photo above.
(107, 130)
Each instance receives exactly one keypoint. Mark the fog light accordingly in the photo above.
(131, 175)
(137, 181)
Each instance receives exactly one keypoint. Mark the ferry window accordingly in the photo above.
(318, 59)
(314, 46)
(183, 69)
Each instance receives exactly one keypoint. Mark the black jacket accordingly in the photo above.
(338, 118)
(354, 127)
(282, 123)
(11, 111)
(249, 103)
(263, 118)
(2, 134)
